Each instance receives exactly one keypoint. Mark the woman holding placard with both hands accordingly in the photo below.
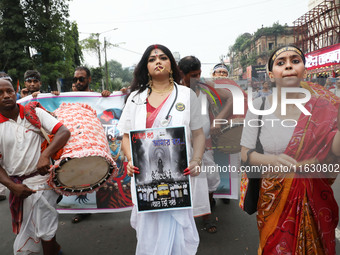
(154, 102)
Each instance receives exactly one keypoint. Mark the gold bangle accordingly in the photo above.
(198, 160)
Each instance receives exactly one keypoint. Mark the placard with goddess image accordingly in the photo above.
(161, 156)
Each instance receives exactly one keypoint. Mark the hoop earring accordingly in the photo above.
(150, 80)
(171, 78)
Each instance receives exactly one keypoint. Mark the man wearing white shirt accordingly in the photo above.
(23, 169)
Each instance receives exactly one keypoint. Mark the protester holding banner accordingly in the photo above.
(32, 84)
(190, 68)
(157, 100)
(23, 170)
(297, 212)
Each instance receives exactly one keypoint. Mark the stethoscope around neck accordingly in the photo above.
(165, 122)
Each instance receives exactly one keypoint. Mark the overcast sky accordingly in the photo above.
(203, 28)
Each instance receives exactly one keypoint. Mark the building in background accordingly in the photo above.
(250, 53)
(317, 33)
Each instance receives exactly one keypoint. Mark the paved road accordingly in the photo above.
(103, 234)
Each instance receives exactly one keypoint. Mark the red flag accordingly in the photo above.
(18, 86)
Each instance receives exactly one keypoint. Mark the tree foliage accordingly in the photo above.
(240, 41)
(48, 41)
(91, 44)
(14, 46)
(275, 30)
(246, 40)
(118, 76)
(97, 76)
(74, 51)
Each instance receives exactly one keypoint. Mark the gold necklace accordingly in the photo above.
(162, 92)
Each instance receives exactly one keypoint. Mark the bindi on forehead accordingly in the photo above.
(154, 54)
(157, 52)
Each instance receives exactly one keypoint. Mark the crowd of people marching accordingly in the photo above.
(294, 216)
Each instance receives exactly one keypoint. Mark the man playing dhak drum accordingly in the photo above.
(23, 170)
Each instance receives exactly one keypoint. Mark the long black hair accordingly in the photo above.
(140, 75)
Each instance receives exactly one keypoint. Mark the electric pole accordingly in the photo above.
(106, 67)
(100, 59)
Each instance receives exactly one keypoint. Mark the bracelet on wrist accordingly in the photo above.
(198, 160)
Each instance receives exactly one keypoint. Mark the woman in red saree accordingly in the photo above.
(297, 212)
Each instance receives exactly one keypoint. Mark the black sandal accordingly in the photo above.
(210, 225)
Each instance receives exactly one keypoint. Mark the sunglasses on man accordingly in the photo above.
(81, 79)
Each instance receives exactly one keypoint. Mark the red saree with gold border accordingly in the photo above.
(297, 212)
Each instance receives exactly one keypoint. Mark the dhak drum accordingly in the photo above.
(229, 139)
(86, 163)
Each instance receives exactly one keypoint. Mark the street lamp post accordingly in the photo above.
(106, 68)
(106, 44)
(99, 56)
